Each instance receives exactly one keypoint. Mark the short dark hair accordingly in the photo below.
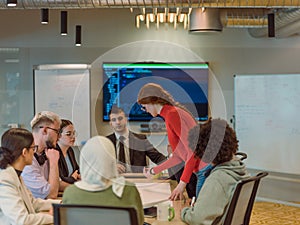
(115, 110)
(214, 141)
(13, 142)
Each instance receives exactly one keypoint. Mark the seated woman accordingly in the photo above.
(216, 143)
(17, 205)
(100, 182)
(67, 165)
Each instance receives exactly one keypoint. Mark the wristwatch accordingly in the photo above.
(151, 171)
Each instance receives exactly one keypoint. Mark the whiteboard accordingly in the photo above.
(267, 120)
(65, 90)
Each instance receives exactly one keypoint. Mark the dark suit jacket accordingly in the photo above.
(62, 165)
(139, 148)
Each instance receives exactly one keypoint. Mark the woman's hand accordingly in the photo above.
(177, 193)
(146, 172)
(76, 175)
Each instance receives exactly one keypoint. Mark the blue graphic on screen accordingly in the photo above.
(186, 82)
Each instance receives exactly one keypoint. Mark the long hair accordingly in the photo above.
(153, 93)
(13, 142)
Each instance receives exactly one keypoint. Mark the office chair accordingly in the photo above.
(241, 204)
(242, 155)
(73, 214)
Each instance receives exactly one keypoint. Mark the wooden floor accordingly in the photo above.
(274, 214)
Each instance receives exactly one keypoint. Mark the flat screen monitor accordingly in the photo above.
(186, 82)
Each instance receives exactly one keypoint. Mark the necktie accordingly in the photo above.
(121, 149)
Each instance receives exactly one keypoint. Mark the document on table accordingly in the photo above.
(153, 193)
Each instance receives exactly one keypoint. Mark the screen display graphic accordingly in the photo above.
(186, 82)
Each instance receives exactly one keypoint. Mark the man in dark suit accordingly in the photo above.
(131, 148)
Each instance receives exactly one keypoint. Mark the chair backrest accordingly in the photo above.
(241, 204)
(70, 214)
(242, 155)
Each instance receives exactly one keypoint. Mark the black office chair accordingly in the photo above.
(242, 155)
(241, 204)
(71, 214)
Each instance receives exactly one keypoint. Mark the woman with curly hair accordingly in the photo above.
(216, 143)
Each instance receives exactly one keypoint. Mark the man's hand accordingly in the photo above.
(177, 193)
(52, 155)
(121, 168)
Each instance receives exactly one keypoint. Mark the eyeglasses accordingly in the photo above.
(35, 148)
(118, 118)
(70, 133)
(55, 130)
(143, 108)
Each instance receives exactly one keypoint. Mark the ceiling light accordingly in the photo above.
(271, 25)
(163, 15)
(44, 16)
(11, 3)
(205, 21)
(78, 35)
(138, 19)
(63, 22)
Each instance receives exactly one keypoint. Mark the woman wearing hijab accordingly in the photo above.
(100, 182)
(17, 205)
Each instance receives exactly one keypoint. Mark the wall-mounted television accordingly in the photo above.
(187, 82)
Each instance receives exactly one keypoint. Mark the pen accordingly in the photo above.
(193, 201)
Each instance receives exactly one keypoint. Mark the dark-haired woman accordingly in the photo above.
(67, 165)
(216, 142)
(17, 205)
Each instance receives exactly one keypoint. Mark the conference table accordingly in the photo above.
(155, 191)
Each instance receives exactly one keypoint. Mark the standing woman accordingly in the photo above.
(157, 101)
(17, 205)
(67, 165)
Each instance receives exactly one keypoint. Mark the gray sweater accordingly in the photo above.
(215, 194)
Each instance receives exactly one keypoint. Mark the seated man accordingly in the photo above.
(216, 144)
(133, 149)
(42, 177)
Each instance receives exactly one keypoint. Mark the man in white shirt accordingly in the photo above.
(42, 177)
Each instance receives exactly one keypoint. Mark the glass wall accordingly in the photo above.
(15, 90)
